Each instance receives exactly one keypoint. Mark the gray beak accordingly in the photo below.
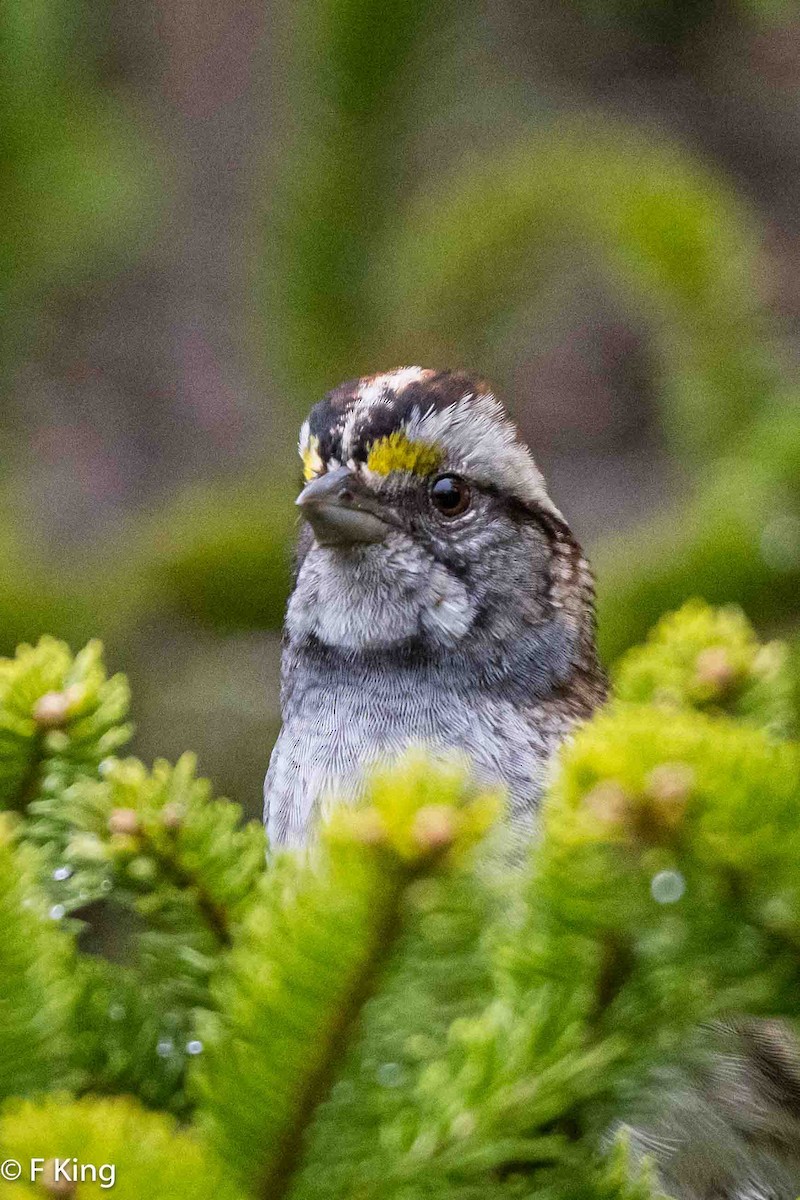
(338, 512)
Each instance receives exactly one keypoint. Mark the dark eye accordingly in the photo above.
(450, 495)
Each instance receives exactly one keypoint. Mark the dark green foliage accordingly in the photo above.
(667, 234)
(33, 598)
(353, 64)
(671, 24)
(738, 538)
(221, 558)
(73, 169)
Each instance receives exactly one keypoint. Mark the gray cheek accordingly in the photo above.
(448, 612)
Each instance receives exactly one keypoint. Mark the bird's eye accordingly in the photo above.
(450, 495)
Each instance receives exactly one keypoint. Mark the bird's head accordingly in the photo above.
(428, 521)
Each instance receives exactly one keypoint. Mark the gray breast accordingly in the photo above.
(336, 727)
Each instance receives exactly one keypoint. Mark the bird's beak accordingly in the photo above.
(339, 512)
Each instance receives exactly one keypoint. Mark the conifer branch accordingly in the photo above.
(617, 962)
(29, 784)
(384, 936)
(36, 979)
(214, 914)
(311, 954)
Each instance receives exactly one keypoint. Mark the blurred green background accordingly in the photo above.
(213, 212)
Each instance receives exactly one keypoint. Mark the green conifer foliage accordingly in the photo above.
(709, 659)
(313, 953)
(399, 1011)
(36, 985)
(151, 1157)
(147, 859)
(59, 718)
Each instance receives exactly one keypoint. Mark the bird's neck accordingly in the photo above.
(544, 663)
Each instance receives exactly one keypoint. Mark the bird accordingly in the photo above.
(440, 600)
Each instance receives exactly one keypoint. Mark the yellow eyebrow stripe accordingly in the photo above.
(398, 452)
(312, 462)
